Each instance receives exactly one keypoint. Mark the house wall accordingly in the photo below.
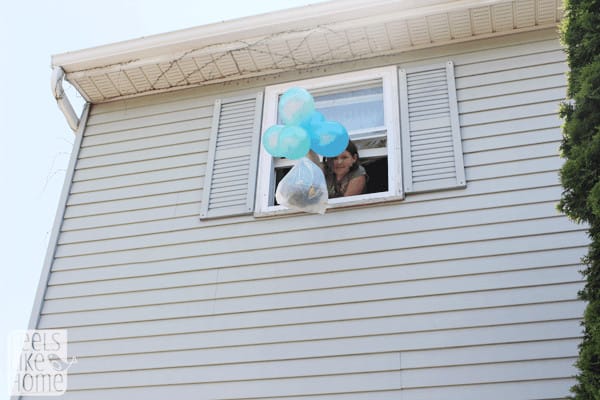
(466, 293)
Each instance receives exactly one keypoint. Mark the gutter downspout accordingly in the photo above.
(62, 100)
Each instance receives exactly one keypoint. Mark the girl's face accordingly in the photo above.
(342, 164)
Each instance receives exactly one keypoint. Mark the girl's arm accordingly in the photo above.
(356, 186)
(314, 157)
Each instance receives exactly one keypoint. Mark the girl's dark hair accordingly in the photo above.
(352, 149)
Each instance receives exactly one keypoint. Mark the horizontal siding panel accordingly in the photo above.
(512, 154)
(510, 65)
(550, 389)
(324, 365)
(521, 390)
(161, 309)
(143, 155)
(174, 181)
(345, 383)
(164, 223)
(241, 372)
(274, 279)
(371, 395)
(126, 109)
(257, 239)
(401, 338)
(556, 66)
(199, 125)
(473, 374)
(78, 231)
(438, 322)
(491, 193)
(318, 244)
(140, 167)
(176, 296)
(433, 222)
(446, 305)
(372, 229)
(482, 194)
(490, 91)
(496, 353)
(527, 124)
(511, 140)
(491, 180)
(143, 216)
(512, 168)
(140, 144)
(106, 185)
(102, 185)
(530, 97)
(381, 257)
(503, 50)
(509, 113)
(419, 358)
(147, 202)
(149, 120)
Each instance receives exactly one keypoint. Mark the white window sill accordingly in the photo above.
(340, 202)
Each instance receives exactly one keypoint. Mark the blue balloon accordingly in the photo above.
(294, 142)
(271, 140)
(295, 105)
(330, 139)
(312, 122)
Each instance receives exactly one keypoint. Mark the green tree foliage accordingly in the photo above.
(580, 175)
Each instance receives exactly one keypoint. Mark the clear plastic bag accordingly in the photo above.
(303, 188)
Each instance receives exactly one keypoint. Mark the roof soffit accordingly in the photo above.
(293, 39)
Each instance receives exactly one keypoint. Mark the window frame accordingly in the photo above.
(391, 106)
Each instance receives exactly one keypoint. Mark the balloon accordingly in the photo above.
(271, 140)
(312, 122)
(330, 139)
(295, 105)
(294, 142)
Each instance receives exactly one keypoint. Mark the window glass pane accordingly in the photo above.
(355, 108)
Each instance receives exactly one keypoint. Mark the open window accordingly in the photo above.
(405, 122)
(366, 103)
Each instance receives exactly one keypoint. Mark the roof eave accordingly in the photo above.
(253, 26)
(296, 39)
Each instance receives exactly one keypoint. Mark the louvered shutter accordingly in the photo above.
(230, 180)
(431, 143)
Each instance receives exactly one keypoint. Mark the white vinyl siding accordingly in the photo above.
(468, 293)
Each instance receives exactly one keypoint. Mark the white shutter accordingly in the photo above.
(230, 181)
(431, 143)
